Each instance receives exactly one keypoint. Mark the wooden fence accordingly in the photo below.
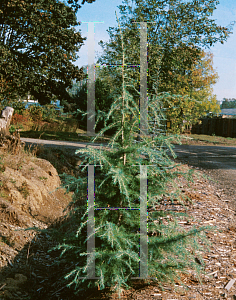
(220, 127)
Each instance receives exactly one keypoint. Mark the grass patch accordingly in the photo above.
(208, 139)
(63, 128)
(3, 195)
(24, 190)
(43, 178)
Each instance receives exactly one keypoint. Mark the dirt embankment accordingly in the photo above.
(28, 198)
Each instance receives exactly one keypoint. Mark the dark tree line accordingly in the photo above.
(228, 103)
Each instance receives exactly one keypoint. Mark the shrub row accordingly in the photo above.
(34, 115)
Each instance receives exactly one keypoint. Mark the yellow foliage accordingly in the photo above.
(194, 86)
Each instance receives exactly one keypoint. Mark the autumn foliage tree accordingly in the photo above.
(38, 45)
(193, 85)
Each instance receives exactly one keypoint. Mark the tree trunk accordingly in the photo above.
(5, 120)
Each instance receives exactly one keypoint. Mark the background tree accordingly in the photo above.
(78, 101)
(228, 103)
(76, 3)
(175, 41)
(193, 85)
(38, 45)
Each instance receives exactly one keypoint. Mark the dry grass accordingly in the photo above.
(208, 139)
(67, 125)
(15, 156)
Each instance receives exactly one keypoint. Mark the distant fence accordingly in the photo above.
(218, 126)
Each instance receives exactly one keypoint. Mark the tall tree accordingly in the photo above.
(175, 40)
(38, 45)
(119, 227)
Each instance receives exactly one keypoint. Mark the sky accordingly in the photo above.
(224, 55)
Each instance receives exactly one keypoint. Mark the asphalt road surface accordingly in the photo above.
(208, 157)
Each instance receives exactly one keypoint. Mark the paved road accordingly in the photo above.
(208, 157)
(217, 161)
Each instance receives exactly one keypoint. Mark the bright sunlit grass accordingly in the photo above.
(210, 139)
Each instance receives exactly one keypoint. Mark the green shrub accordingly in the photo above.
(23, 121)
(49, 113)
(14, 128)
(19, 107)
(36, 112)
